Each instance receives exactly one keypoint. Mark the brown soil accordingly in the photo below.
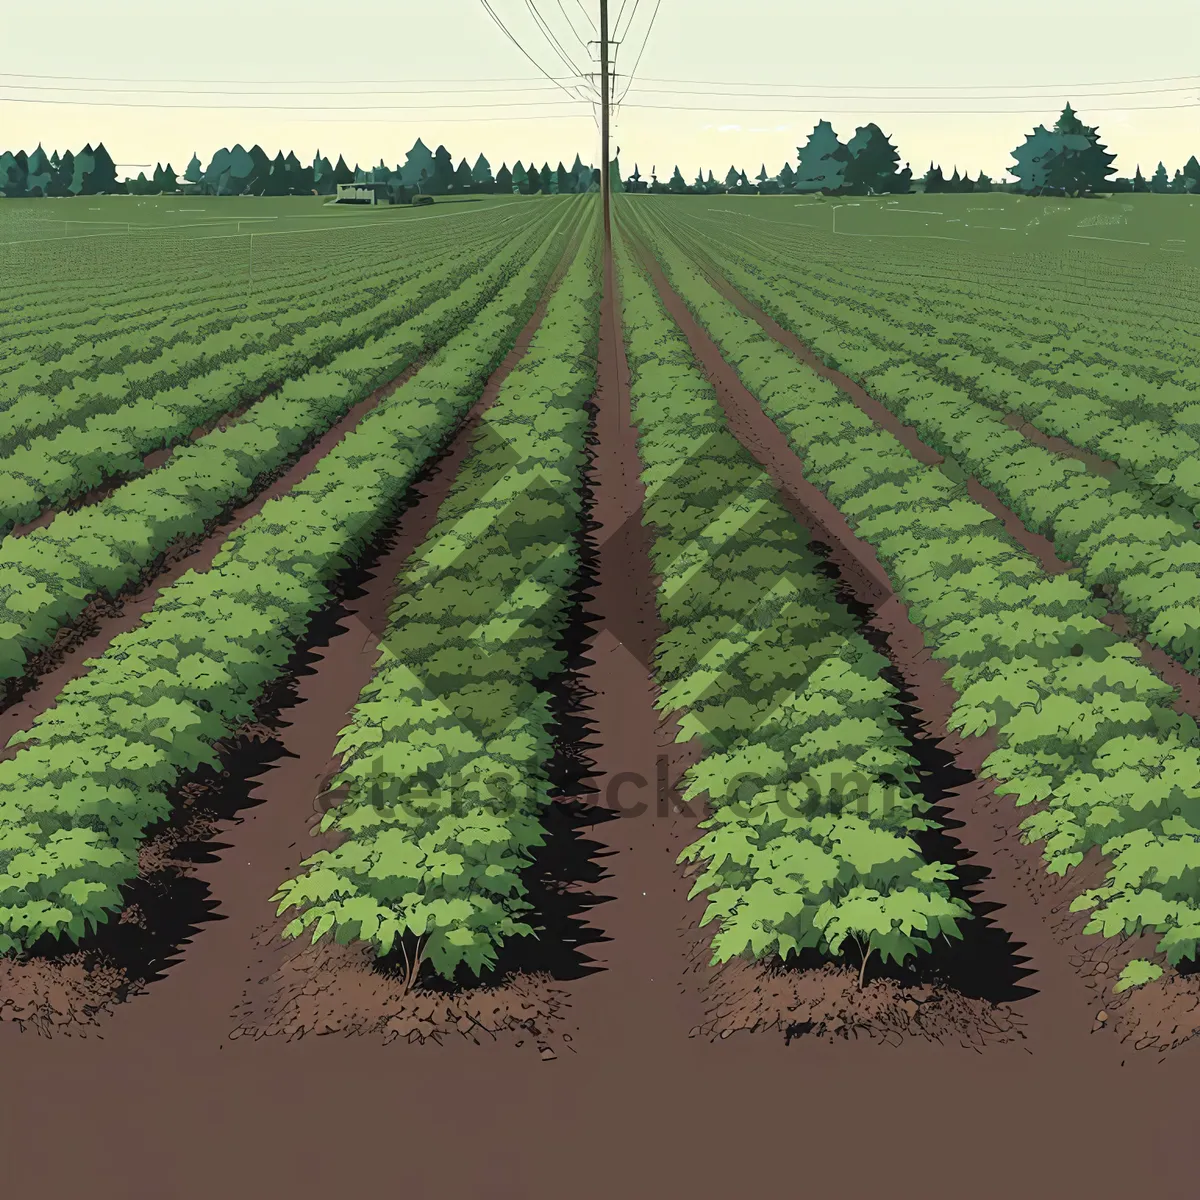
(167, 1103)
(89, 634)
(997, 841)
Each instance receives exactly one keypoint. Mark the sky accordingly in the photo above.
(717, 83)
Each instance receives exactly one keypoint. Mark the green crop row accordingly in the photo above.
(184, 364)
(53, 470)
(60, 365)
(810, 840)
(1151, 431)
(1085, 731)
(1117, 536)
(444, 759)
(93, 772)
(48, 576)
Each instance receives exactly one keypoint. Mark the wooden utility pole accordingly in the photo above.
(604, 91)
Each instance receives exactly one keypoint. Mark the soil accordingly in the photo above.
(167, 1102)
(1150, 1022)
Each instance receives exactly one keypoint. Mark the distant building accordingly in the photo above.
(364, 193)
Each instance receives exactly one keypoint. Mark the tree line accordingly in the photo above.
(1068, 159)
(239, 172)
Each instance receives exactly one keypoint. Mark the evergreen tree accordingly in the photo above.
(39, 173)
(547, 178)
(1191, 173)
(277, 181)
(520, 178)
(260, 171)
(342, 173)
(983, 183)
(504, 180)
(762, 176)
(463, 180)
(14, 173)
(787, 178)
(442, 178)
(732, 179)
(418, 167)
(1178, 183)
(1139, 182)
(1069, 159)
(699, 184)
(1159, 183)
(481, 175)
(872, 164)
(823, 161)
(677, 184)
(85, 162)
(934, 181)
(955, 183)
(60, 184)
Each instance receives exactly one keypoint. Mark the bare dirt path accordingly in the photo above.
(641, 1110)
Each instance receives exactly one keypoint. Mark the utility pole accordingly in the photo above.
(604, 172)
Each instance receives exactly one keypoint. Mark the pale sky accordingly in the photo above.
(744, 81)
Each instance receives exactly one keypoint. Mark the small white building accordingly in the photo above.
(361, 193)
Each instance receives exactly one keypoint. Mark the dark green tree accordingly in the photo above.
(983, 183)
(39, 173)
(60, 184)
(481, 175)
(443, 172)
(871, 168)
(547, 178)
(732, 178)
(463, 182)
(823, 161)
(934, 180)
(1139, 181)
(1159, 182)
(1178, 183)
(520, 179)
(342, 173)
(1191, 172)
(278, 183)
(787, 178)
(504, 180)
(677, 184)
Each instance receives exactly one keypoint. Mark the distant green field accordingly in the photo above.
(1141, 227)
(92, 239)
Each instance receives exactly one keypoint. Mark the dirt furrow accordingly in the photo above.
(1057, 1014)
(90, 634)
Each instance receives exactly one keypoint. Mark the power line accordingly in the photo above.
(646, 39)
(504, 29)
(899, 112)
(172, 79)
(298, 107)
(858, 95)
(571, 26)
(550, 37)
(587, 15)
(1195, 82)
(457, 91)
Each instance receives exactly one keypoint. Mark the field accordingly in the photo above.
(678, 713)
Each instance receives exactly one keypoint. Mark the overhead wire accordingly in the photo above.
(504, 29)
(645, 40)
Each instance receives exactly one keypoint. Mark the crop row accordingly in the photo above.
(810, 843)
(92, 773)
(53, 470)
(31, 414)
(444, 761)
(48, 576)
(1085, 730)
(81, 354)
(1147, 553)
